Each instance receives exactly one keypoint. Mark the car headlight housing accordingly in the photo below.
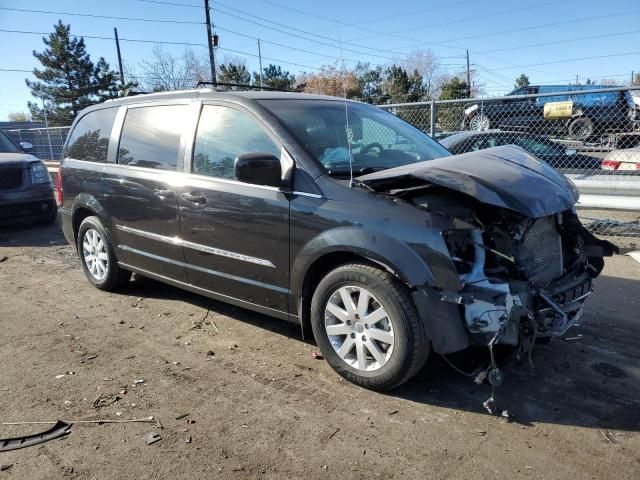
(39, 173)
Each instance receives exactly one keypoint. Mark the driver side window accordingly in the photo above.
(223, 134)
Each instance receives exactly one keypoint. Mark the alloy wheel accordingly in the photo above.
(480, 123)
(359, 328)
(94, 252)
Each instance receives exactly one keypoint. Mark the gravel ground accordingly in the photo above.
(239, 395)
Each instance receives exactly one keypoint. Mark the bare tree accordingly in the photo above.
(167, 72)
(426, 64)
(19, 117)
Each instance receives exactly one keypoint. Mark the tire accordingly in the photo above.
(394, 363)
(103, 272)
(479, 123)
(581, 128)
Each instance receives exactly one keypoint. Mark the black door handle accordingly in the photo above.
(194, 197)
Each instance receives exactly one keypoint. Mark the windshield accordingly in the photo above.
(6, 145)
(377, 139)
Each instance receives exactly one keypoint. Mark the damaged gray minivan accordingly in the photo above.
(333, 214)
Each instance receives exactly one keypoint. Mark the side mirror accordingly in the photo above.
(26, 147)
(259, 168)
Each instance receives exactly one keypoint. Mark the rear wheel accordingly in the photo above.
(99, 263)
(367, 327)
(581, 128)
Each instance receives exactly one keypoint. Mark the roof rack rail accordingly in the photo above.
(133, 94)
(241, 85)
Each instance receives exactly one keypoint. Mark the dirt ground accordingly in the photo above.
(259, 405)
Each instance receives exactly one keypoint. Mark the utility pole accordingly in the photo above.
(576, 79)
(632, 77)
(468, 77)
(260, 62)
(212, 58)
(115, 31)
(46, 126)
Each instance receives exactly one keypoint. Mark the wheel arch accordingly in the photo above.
(345, 245)
(85, 205)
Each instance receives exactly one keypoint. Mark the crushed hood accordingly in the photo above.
(507, 177)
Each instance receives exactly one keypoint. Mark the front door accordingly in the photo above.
(235, 235)
(140, 191)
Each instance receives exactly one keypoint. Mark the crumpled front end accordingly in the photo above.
(524, 260)
(523, 278)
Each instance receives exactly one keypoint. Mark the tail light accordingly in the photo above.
(610, 164)
(59, 186)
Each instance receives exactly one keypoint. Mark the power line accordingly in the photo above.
(156, 42)
(479, 17)
(557, 42)
(91, 15)
(522, 29)
(298, 35)
(316, 35)
(624, 54)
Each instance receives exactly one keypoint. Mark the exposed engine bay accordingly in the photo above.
(522, 278)
(525, 262)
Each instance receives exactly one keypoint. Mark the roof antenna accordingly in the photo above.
(348, 129)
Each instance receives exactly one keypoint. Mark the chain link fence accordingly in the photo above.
(589, 133)
(47, 142)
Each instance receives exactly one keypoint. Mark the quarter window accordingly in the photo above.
(90, 138)
(151, 136)
(223, 134)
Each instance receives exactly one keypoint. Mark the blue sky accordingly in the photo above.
(550, 40)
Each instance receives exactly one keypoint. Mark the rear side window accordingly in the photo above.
(151, 136)
(223, 134)
(89, 140)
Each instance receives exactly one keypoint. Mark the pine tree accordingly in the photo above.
(69, 81)
(234, 73)
(522, 81)
(273, 76)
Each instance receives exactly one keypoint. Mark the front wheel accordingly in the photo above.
(367, 327)
(99, 263)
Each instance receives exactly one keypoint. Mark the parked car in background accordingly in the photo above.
(624, 160)
(585, 116)
(555, 154)
(332, 214)
(26, 192)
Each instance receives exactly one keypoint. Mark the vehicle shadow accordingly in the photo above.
(589, 379)
(31, 235)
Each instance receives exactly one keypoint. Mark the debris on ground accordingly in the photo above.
(211, 353)
(317, 356)
(105, 399)
(187, 439)
(5, 466)
(180, 417)
(138, 381)
(152, 437)
(59, 429)
(4, 258)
